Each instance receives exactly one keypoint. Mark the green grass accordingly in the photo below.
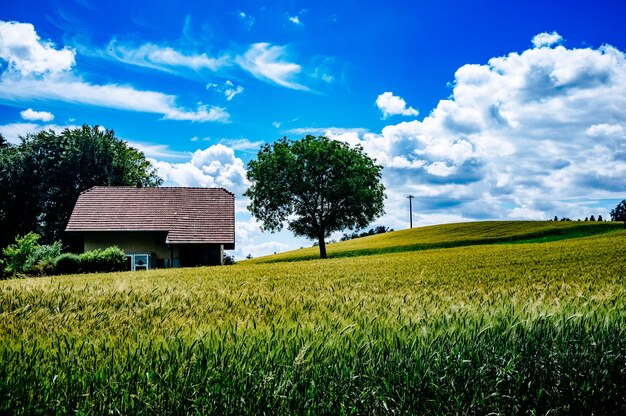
(501, 329)
(451, 235)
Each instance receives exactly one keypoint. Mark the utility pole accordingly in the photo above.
(410, 198)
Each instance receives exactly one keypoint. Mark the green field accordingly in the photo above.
(532, 328)
(452, 235)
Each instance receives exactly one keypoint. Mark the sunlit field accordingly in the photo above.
(530, 328)
(452, 235)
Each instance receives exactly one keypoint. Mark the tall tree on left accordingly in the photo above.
(42, 177)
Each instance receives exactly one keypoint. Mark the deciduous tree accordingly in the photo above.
(316, 185)
(619, 213)
(41, 177)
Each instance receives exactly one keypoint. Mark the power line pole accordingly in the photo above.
(410, 198)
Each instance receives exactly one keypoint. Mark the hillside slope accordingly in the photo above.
(451, 235)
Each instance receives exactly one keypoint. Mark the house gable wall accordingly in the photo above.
(153, 242)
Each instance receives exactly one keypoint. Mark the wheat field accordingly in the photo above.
(531, 328)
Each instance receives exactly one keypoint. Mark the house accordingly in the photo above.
(156, 227)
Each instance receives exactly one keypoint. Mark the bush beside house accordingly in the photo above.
(26, 257)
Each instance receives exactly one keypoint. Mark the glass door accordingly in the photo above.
(139, 261)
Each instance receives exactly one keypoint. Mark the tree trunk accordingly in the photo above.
(322, 245)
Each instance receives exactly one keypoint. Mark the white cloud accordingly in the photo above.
(215, 166)
(264, 249)
(231, 92)
(266, 62)
(203, 113)
(70, 89)
(13, 131)
(242, 144)
(547, 39)
(262, 60)
(295, 20)
(163, 57)
(27, 54)
(527, 135)
(30, 114)
(391, 105)
(605, 130)
(325, 131)
(229, 89)
(161, 151)
(43, 73)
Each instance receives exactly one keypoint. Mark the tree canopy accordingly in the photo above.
(42, 177)
(619, 212)
(316, 185)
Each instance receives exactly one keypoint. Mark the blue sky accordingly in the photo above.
(482, 110)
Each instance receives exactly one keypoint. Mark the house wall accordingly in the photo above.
(153, 242)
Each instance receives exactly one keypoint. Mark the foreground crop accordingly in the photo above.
(509, 329)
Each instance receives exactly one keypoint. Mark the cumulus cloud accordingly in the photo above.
(546, 39)
(526, 135)
(30, 114)
(392, 105)
(267, 62)
(26, 53)
(605, 130)
(295, 20)
(38, 71)
(215, 166)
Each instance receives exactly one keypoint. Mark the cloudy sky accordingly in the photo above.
(481, 110)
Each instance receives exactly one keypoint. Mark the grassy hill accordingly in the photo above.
(501, 329)
(451, 235)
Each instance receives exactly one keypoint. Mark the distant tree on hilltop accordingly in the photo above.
(619, 213)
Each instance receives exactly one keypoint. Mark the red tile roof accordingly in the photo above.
(188, 215)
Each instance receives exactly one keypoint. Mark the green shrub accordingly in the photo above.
(18, 254)
(67, 263)
(42, 259)
(28, 257)
(45, 267)
(111, 259)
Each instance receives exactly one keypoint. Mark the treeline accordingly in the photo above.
(42, 176)
(350, 236)
(591, 218)
(381, 229)
(617, 214)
